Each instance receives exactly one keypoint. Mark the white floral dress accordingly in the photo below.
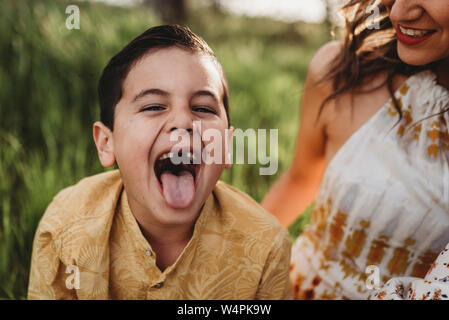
(383, 200)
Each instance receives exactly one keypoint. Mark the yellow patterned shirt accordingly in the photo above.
(88, 245)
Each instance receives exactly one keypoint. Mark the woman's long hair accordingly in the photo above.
(369, 48)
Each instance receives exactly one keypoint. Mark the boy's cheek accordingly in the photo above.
(135, 141)
(213, 173)
(217, 146)
(214, 123)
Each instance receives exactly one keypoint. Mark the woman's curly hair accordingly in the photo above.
(369, 48)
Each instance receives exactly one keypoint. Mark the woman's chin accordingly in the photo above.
(415, 57)
(413, 61)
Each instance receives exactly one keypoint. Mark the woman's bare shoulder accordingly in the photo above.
(317, 86)
(322, 62)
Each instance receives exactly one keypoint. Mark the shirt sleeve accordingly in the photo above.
(435, 285)
(274, 284)
(47, 274)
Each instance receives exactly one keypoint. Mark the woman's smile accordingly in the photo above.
(422, 29)
(412, 36)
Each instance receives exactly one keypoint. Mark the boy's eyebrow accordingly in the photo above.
(146, 92)
(160, 92)
(206, 93)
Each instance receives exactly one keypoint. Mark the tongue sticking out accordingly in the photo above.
(178, 190)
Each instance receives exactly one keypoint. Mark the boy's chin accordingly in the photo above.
(188, 211)
(197, 201)
(169, 215)
(179, 206)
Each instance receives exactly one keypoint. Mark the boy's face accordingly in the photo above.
(164, 93)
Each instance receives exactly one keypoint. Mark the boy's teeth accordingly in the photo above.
(166, 155)
(191, 156)
(413, 32)
(170, 155)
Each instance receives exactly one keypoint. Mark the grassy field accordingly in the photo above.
(48, 102)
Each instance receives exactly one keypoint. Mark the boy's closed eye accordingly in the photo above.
(154, 108)
(204, 109)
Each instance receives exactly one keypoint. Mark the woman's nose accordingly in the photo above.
(404, 10)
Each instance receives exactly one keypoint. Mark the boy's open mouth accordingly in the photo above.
(177, 181)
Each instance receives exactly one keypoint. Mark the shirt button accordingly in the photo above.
(158, 285)
(148, 252)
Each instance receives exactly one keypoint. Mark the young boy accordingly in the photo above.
(154, 229)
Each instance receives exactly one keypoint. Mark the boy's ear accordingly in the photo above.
(105, 144)
(228, 149)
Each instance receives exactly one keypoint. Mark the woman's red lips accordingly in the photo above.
(417, 37)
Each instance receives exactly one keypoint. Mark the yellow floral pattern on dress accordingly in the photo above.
(436, 130)
(237, 251)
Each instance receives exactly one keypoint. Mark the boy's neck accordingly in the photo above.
(167, 241)
(165, 235)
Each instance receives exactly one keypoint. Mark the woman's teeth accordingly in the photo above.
(414, 32)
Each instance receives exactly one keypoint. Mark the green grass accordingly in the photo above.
(48, 102)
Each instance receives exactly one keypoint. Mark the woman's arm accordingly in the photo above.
(296, 188)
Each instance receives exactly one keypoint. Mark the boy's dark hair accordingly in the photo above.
(111, 80)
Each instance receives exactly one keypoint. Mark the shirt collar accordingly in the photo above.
(141, 244)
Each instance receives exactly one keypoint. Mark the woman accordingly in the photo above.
(374, 142)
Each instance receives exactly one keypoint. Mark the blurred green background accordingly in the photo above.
(48, 100)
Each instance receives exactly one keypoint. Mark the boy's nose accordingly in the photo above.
(190, 130)
(181, 119)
